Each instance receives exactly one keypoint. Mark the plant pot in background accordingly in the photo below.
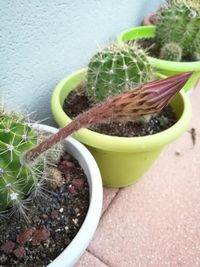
(122, 160)
(165, 67)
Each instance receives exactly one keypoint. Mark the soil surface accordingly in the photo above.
(153, 49)
(78, 102)
(54, 220)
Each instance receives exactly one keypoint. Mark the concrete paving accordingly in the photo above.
(155, 222)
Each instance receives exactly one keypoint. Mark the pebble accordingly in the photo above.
(78, 183)
(71, 189)
(61, 210)
(40, 235)
(20, 252)
(3, 258)
(75, 221)
(7, 247)
(26, 235)
(54, 214)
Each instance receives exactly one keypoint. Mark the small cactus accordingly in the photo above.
(196, 56)
(171, 52)
(115, 69)
(179, 22)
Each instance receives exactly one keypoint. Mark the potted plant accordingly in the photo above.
(179, 51)
(33, 191)
(122, 160)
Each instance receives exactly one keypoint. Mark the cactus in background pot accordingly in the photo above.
(115, 69)
(171, 51)
(179, 22)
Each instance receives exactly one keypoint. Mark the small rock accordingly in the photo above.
(61, 210)
(3, 259)
(7, 247)
(19, 252)
(75, 221)
(26, 235)
(54, 214)
(44, 216)
(66, 167)
(40, 235)
(78, 183)
(71, 189)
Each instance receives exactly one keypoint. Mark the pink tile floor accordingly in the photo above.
(155, 222)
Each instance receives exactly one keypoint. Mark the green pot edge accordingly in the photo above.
(163, 66)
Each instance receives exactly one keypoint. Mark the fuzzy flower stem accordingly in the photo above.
(146, 99)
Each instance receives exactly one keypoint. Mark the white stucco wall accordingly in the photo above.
(41, 41)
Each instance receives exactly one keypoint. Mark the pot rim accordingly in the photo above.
(149, 31)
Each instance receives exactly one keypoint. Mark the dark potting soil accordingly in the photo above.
(149, 45)
(54, 220)
(78, 102)
(153, 49)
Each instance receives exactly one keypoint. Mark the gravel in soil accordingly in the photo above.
(54, 219)
(78, 102)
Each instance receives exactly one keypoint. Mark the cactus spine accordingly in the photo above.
(115, 69)
(179, 22)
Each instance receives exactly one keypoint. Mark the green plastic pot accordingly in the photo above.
(165, 67)
(122, 160)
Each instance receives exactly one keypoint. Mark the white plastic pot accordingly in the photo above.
(80, 242)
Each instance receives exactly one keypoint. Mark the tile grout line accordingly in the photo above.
(97, 257)
(88, 250)
(110, 203)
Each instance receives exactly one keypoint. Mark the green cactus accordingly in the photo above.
(16, 180)
(171, 51)
(115, 69)
(179, 22)
(19, 180)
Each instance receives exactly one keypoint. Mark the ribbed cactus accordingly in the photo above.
(171, 51)
(115, 69)
(19, 180)
(16, 180)
(179, 22)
